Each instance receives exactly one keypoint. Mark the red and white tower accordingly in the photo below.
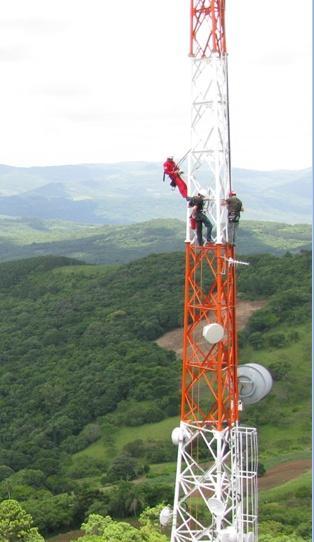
(216, 478)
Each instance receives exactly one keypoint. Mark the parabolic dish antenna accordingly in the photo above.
(228, 535)
(216, 506)
(165, 516)
(255, 382)
(179, 434)
(213, 333)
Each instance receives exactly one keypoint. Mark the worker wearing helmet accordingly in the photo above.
(197, 203)
(174, 173)
(170, 167)
(235, 207)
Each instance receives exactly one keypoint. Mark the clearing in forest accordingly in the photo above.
(173, 340)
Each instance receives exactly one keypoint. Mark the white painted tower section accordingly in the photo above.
(216, 490)
(209, 158)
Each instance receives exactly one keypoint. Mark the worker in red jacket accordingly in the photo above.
(173, 171)
(170, 167)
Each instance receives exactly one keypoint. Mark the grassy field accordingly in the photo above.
(288, 488)
(151, 431)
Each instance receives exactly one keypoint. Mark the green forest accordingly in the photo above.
(88, 399)
(24, 238)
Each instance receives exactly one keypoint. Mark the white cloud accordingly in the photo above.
(87, 81)
(32, 25)
(12, 54)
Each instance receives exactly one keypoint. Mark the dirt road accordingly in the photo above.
(283, 473)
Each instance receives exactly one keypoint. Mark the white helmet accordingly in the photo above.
(203, 192)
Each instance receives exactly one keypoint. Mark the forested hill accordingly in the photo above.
(25, 238)
(76, 340)
(77, 355)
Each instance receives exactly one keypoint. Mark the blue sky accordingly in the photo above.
(85, 81)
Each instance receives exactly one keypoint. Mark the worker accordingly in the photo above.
(197, 203)
(170, 167)
(173, 171)
(235, 207)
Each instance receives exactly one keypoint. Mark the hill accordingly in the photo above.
(130, 192)
(22, 238)
(88, 398)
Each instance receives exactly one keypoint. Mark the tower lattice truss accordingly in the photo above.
(216, 479)
(209, 157)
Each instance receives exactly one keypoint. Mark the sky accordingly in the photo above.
(98, 81)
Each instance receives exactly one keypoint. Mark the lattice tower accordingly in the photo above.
(215, 490)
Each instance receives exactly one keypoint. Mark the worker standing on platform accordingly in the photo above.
(235, 207)
(197, 203)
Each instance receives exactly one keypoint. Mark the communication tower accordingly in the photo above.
(216, 478)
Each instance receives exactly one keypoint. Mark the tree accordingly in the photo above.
(150, 525)
(260, 469)
(262, 320)
(277, 340)
(5, 472)
(86, 466)
(104, 529)
(109, 530)
(16, 524)
(150, 516)
(53, 513)
(280, 538)
(279, 369)
(136, 448)
(256, 339)
(95, 524)
(124, 467)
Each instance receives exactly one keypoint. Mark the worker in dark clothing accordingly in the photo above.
(235, 207)
(197, 204)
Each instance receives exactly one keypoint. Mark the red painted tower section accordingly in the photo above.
(207, 33)
(209, 381)
(210, 371)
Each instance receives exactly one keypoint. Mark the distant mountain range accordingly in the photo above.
(130, 192)
(24, 238)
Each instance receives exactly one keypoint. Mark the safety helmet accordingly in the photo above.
(203, 192)
(232, 193)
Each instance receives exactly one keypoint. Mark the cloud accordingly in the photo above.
(35, 25)
(278, 58)
(20, 36)
(91, 116)
(98, 115)
(63, 92)
(13, 53)
(72, 79)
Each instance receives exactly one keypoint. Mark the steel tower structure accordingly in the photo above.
(216, 478)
